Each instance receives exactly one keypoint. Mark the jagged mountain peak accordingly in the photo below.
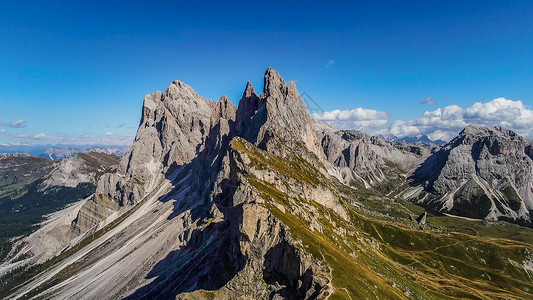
(249, 91)
(277, 92)
(278, 114)
(273, 83)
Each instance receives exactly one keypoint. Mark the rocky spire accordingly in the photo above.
(225, 110)
(249, 91)
(250, 107)
(274, 85)
(276, 117)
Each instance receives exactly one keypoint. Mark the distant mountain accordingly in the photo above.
(39, 150)
(59, 153)
(367, 161)
(34, 150)
(485, 172)
(413, 139)
(420, 138)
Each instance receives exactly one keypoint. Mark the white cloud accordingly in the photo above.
(14, 124)
(2, 131)
(359, 118)
(428, 101)
(358, 114)
(108, 138)
(35, 136)
(443, 123)
(330, 64)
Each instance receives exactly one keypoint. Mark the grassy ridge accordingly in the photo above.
(383, 255)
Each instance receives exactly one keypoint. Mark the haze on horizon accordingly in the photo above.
(76, 73)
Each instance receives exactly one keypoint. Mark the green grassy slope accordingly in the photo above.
(379, 253)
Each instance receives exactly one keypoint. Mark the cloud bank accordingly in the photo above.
(359, 118)
(443, 123)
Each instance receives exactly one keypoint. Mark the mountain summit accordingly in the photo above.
(260, 201)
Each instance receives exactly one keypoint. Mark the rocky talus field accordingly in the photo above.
(260, 201)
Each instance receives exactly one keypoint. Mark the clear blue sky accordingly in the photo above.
(81, 68)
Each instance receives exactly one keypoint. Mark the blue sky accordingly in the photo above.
(77, 71)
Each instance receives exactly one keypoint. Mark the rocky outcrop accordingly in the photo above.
(173, 129)
(178, 126)
(485, 172)
(421, 220)
(174, 125)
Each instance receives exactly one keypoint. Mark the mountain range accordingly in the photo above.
(54, 153)
(62, 151)
(413, 139)
(260, 201)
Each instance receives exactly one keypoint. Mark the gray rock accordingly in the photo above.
(422, 218)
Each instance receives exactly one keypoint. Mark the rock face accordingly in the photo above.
(485, 172)
(368, 161)
(174, 125)
(277, 118)
(422, 218)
